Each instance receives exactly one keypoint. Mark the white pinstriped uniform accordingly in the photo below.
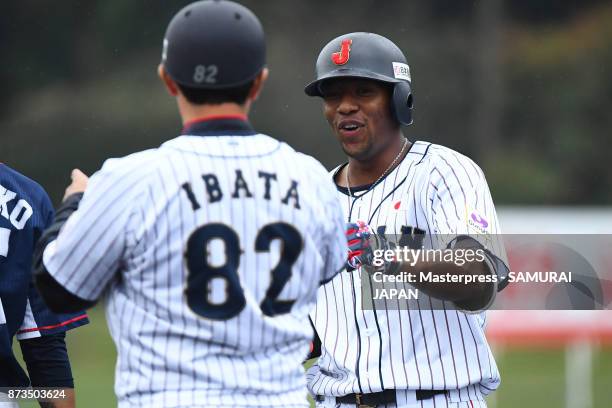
(434, 189)
(136, 218)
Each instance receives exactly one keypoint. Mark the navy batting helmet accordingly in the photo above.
(214, 44)
(371, 56)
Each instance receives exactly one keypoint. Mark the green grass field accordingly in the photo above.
(531, 378)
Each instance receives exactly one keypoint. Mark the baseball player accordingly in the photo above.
(211, 247)
(390, 355)
(25, 211)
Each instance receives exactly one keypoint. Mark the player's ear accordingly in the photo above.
(258, 84)
(171, 86)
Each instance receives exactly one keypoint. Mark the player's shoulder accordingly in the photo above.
(445, 159)
(304, 163)
(312, 164)
(24, 186)
(311, 171)
(142, 162)
(133, 173)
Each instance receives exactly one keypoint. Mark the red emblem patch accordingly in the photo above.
(342, 57)
(397, 205)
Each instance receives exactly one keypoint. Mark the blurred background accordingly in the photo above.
(522, 87)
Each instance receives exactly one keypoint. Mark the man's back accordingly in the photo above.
(212, 247)
(25, 211)
(222, 242)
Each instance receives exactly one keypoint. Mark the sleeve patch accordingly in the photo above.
(477, 222)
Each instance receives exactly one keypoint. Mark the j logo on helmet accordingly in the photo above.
(342, 57)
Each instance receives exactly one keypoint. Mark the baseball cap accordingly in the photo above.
(214, 44)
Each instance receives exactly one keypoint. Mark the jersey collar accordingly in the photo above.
(344, 190)
(364, 189)
(219, 125)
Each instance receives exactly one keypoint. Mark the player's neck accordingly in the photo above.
(190, 112)
(363, 172)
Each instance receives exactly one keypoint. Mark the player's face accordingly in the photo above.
(359, 113)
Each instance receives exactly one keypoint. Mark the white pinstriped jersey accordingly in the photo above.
(436, 190)
(213, 249)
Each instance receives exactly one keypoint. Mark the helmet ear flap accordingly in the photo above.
(402, 103)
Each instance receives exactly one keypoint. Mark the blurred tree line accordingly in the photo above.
(522, 87)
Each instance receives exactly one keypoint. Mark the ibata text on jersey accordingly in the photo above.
(240, 189)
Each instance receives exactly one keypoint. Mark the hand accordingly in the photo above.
(363, 244)
(360, 251)
(78, 185)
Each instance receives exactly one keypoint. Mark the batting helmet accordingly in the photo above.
(371, 56)
(214, 44)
